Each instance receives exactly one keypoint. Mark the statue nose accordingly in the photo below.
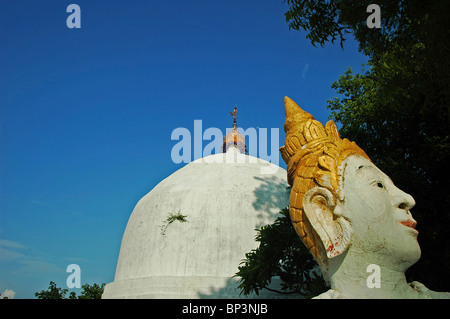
(404, 201)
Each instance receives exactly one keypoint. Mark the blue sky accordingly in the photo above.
(86, 115)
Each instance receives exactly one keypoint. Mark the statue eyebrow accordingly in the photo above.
(373, 169)
(364, 166)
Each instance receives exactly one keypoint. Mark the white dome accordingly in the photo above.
(224, 198)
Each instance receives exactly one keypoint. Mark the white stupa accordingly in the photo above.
(188, 235)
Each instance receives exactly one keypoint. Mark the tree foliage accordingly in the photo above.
(404, 22)
(94, 291)
(280, 253)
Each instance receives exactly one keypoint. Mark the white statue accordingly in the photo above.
(349, 214)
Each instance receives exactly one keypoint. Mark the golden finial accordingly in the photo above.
(234, 137)
(234, 116)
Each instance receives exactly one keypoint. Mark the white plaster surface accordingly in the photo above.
(224, 197)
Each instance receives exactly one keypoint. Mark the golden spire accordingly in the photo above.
(234, 116)
(234, 137)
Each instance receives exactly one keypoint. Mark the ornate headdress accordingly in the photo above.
(313, 154)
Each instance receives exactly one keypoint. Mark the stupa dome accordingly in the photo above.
(188, 235)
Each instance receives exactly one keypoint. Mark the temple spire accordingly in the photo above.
(234, 138)
(234, 117)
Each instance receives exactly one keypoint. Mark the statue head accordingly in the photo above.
(340, 199)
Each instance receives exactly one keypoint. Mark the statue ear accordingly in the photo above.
(319, 205)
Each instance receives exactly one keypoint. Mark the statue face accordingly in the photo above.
(378, 212)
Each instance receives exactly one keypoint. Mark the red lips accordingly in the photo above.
(411, 223)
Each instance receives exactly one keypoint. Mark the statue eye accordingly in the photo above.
(380, 185)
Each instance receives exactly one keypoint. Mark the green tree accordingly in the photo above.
(54, 292)
(398, 111)
(88, 292)
(280, 253)
(91, 292)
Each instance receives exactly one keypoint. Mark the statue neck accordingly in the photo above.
(357, 274)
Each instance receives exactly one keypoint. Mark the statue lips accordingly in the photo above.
(410, 223)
